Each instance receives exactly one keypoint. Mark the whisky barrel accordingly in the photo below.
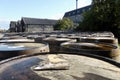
(102, 49)
(80, 68)
(39, 38)
(8, 50)
(54, 43)
(98, 39)
(17, 40)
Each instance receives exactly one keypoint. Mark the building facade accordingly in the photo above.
(12, 26)
(34, 25)
(76, 15)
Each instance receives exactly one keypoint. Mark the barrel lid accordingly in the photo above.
(88, 46)
(20, 46)
(81, 67)
(16, 40)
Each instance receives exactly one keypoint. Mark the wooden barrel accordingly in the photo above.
(13, 37)
(54, 43)
(39, 38)
(8, 50)
(62, 36)
(32, 36)
(101, 49)
(17, 40)
(98, 39)
(80, 68)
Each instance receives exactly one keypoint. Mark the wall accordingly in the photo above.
(77, 18)
(37, 28)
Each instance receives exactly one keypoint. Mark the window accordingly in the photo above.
(78, 11)
(73, 13)
(83, 10)
(69, 14)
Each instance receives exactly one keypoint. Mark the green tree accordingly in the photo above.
(64, 24)
(103, 16)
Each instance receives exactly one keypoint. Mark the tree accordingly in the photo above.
(103, 16)
(64, 24)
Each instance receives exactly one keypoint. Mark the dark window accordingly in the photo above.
(83, 10)
(69, 14)
(73, 13)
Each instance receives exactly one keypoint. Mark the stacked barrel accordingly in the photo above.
(12, 45)
(95, 43)
(102, 45)
(59, 56)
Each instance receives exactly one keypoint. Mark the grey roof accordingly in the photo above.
(77, 12)
(37, 21)
(13, 22)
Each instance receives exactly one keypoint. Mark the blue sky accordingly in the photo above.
(13, 10)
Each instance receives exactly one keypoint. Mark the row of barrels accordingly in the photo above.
(99, 44)
(102, 46)
(59, 48)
